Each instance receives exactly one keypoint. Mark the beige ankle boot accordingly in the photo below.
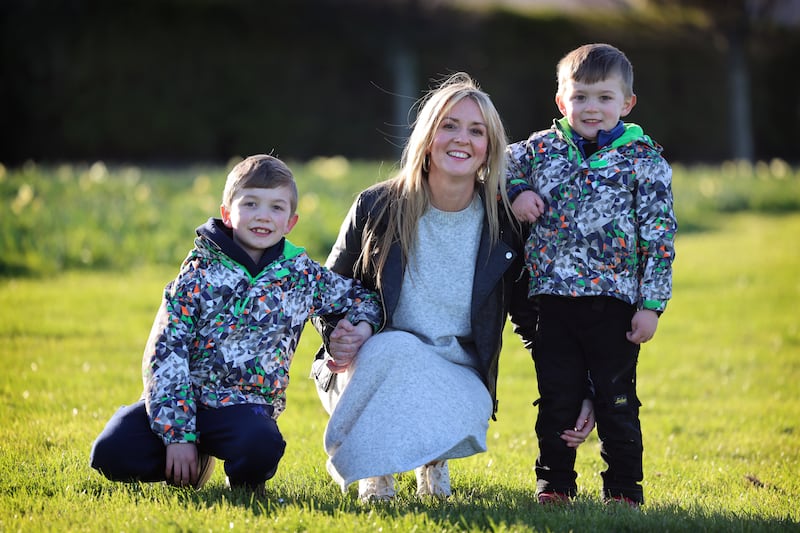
(376, 488)
(433, 479)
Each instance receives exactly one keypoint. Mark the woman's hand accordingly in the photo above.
(345, 341)
(583, 426)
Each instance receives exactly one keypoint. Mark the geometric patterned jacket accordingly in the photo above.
(608, 227)
(224, 336)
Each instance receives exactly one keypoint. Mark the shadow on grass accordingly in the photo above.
(485, 510)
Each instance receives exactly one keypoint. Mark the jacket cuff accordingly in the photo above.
(654, 305)
(517, 188)
(178, 437)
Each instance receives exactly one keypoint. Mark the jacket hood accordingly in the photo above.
(214, 238)
(633, 133)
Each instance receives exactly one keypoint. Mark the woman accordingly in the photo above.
(439, 247)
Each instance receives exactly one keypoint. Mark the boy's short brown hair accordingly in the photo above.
(259, 172)
(592, 63)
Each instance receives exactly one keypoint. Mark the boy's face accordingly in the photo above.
(259, 218)
(591, 107)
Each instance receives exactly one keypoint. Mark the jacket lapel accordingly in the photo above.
(492, 263)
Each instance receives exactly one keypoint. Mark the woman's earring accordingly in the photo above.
(426, 163)
(483, 173)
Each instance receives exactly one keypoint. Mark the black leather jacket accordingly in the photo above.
(496, 270)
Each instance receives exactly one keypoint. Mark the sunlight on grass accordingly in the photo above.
(718, 384)
(330, 168)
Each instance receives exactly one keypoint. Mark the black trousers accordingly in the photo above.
(577, 337)
(244, 436)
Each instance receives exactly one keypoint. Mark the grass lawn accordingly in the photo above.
(720, 414)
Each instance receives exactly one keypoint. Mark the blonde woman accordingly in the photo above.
(438, 246)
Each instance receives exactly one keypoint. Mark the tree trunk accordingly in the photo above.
(404, 90)
(739, 108)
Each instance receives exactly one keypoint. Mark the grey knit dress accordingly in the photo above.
(412, 395)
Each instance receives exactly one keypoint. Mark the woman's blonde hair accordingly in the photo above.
(407, 193)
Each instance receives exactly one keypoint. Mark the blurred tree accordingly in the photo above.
(735, 24)
(173, 81)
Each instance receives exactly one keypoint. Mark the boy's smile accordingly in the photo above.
(591, 107)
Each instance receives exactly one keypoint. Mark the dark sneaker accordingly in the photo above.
(622, 500)
(552, 498)
(205, 468)
(259, 489)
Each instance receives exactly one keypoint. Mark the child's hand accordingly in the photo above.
(527, 207)
(181, 464)
(345, 341)
(583, 426)
(643, 326)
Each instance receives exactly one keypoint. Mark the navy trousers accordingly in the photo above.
(577, 337)
(244, 436)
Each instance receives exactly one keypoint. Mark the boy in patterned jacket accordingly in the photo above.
(600, 255)
(216, 364)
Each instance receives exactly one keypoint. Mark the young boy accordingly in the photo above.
(216, 365)
(600, 258)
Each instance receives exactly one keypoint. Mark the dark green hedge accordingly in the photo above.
(187, 80)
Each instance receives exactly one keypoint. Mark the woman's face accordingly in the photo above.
(460, 143)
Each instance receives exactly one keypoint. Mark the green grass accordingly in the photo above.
(720, 414)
